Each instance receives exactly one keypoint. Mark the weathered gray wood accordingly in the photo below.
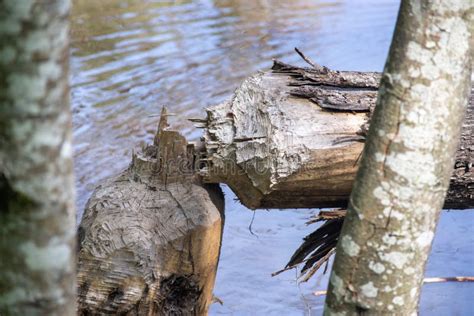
(292, 138)
(150, 237)
(461, 189)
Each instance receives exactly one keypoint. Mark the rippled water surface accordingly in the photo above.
(130, 57)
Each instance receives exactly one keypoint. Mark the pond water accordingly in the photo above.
(130, 57)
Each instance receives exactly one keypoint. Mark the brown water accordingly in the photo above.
(130, 57)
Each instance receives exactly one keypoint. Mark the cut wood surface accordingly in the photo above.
(150, 237)
(292, 137)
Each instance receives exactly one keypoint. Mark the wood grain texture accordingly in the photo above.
(292, 137)
(150, 238)
(461, 189)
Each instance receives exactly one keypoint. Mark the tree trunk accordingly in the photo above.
(407, 162)
(37, 219)
(292, 138)
(150, 238)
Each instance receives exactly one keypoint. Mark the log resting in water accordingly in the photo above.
(291, 138)
(150, 237)
(320, 245)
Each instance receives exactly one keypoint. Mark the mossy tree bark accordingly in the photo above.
(407, 162)
(37, 220)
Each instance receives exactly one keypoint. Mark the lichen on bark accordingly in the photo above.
(407, 162)
(36, 186)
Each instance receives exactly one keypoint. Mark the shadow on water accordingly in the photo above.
(130, 57)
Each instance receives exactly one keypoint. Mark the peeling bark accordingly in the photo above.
(37, 219)
(405, 169)
(292, 138)
(150, 237)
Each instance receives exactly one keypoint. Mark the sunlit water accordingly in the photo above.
(131, 57)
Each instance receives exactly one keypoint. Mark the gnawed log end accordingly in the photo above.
(292, 138)
(279, 150)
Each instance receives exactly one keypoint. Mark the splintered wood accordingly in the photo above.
(150, 237)
(292, 137)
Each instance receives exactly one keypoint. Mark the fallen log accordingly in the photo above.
(150, 238)
(292, 137)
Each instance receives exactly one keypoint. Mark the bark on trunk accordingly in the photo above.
(150, 238)
(37, 219)
(405, 169)
(292, 138)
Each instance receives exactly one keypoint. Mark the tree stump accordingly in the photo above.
(150, 238)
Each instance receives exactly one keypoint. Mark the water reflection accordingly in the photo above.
(129, 57)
